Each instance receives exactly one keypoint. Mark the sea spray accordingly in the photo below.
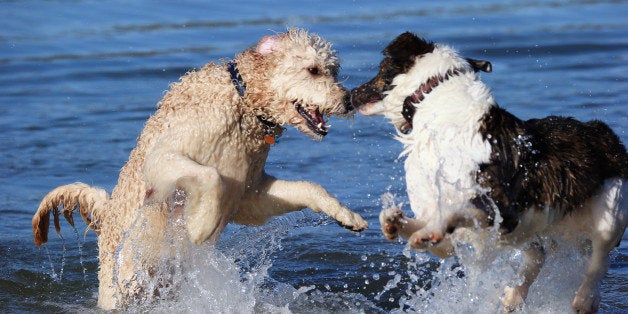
(230, 275)
(474, 280)
(79, 244)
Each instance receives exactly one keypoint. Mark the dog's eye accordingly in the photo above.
(313, 70)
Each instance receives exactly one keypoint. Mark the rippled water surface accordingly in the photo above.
(78, 79)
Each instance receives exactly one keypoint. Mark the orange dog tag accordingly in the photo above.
(269, 139)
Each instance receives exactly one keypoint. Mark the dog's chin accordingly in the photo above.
(372, 108)
(307, 131)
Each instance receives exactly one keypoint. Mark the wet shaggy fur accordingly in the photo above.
(471, 166)
(555, 161)
(200, 161)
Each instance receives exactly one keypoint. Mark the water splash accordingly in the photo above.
(79, 244)
(474, 280)
(53, 273)
(228, 276)
(234, 275)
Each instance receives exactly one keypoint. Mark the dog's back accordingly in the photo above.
(555, 161)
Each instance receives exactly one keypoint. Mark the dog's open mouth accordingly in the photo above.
(314, 119)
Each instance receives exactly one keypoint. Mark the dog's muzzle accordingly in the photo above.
(347, 103)
(363, 95)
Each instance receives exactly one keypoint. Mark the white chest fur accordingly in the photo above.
(444, 150)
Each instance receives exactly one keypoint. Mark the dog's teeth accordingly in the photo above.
(320, 125)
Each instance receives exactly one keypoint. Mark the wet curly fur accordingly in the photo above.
(200, 159)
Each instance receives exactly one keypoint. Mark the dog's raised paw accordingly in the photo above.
(358, 223)
(352, 221)
(391, 221)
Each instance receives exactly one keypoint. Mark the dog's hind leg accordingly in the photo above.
(533, 260)
(275, 197)
(610, 216)
(587, 297)
(204, 211)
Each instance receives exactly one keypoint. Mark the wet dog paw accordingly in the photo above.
(391, 221)
(423, 239)
(586, 301)
(352, 221)
(513, 299)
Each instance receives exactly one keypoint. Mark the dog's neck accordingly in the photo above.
(270, 128)
(409, 104)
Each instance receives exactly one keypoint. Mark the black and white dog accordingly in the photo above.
(471, 165)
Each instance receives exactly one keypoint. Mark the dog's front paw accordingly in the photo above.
(513, 298)
(391, 222)
(352, 221)
(424, 239)
(586, 301)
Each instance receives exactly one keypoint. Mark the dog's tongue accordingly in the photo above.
(318, 117)
(314, 119)
(319, 120)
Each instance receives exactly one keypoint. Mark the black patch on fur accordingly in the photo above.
(555, 161)
(403, 50)
(400, 56)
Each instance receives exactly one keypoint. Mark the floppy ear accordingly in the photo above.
(480, 65)
(267, 44)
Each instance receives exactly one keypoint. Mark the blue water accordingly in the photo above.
(78, 79)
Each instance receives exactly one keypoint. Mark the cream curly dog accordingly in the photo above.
(201, 156)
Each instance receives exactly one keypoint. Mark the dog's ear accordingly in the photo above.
(480, 65)
(267, 44)
(403, 50)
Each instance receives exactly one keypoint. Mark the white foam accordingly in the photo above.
(232, 276)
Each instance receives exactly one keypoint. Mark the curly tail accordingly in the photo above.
(88, 199)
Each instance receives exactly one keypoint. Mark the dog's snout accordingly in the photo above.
(365, 94)
(354, 97)
(347, 102)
